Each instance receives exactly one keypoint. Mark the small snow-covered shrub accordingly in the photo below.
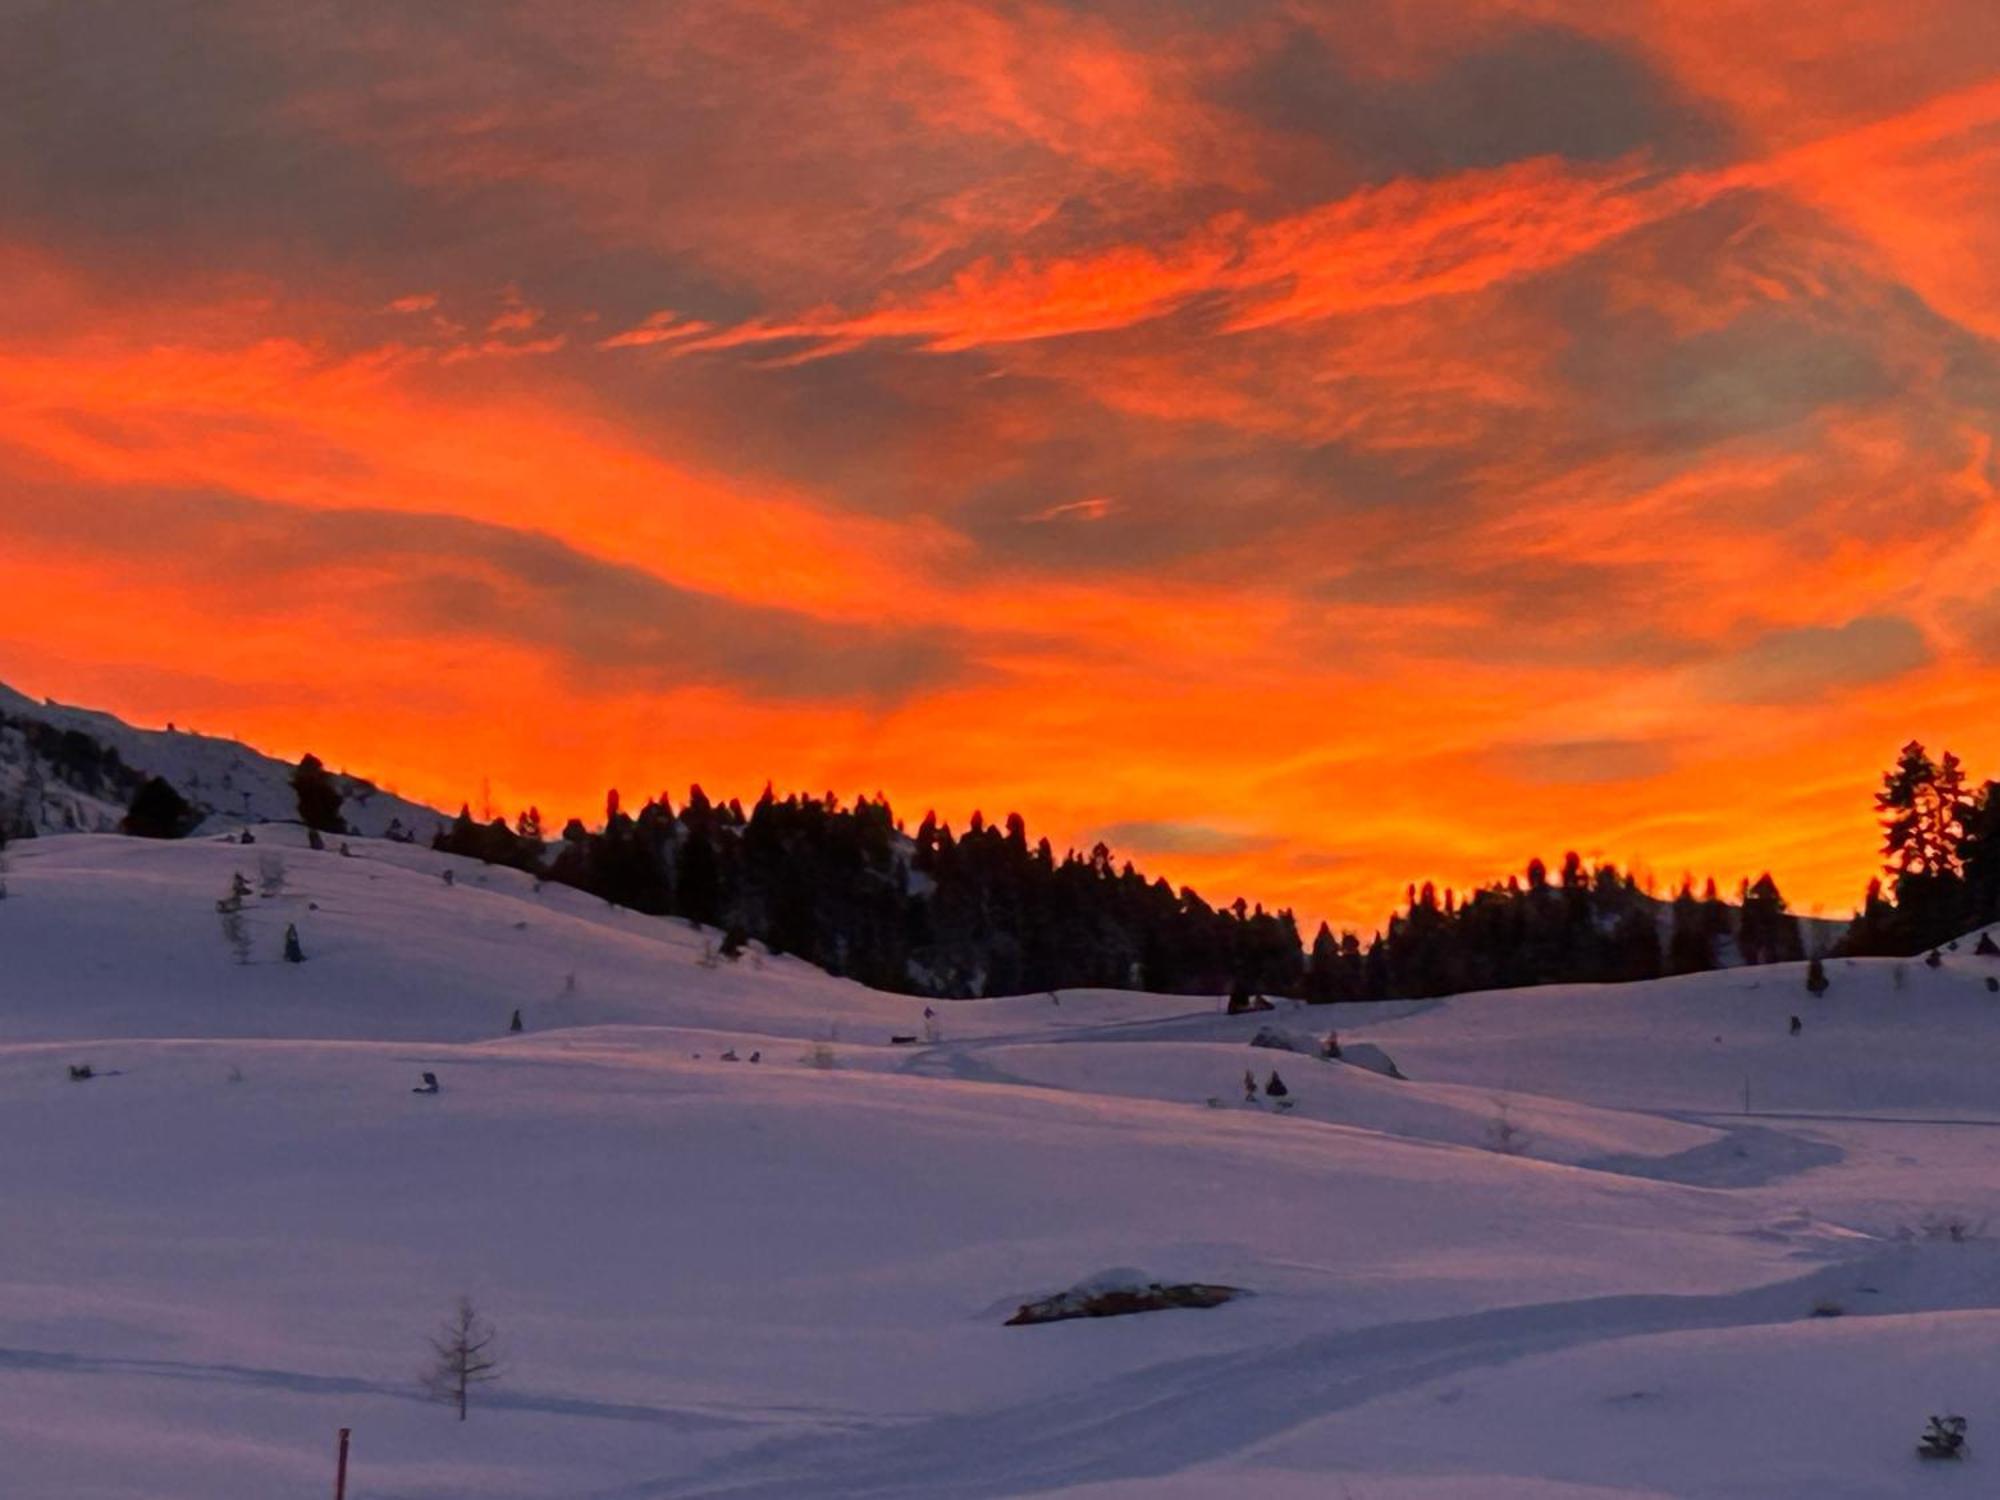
(235, 933)
(1944, 1438)
(1954, 1227)
(1503, 1134)
(1947, 1228)
(239, 890)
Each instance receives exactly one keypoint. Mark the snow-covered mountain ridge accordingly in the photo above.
(74, 770)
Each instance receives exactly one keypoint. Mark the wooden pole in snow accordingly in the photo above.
(340, 1472)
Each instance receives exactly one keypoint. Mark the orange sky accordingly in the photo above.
(1311, 446)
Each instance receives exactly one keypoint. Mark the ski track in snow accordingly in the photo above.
(1160, 1420)
(673, 1419)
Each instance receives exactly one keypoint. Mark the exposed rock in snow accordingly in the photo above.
(1115, 1294)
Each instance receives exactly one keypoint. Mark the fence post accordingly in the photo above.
(340, 1472)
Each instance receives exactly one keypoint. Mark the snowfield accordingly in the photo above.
(1561, 1261)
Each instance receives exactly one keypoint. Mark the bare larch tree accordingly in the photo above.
(462, 1356)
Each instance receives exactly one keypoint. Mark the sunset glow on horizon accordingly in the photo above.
(1310, 447)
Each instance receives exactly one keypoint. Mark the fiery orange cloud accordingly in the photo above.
(1313, 446)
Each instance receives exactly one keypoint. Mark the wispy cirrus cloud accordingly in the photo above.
(1096, 508)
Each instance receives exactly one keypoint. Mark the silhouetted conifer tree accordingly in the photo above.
(318, 797)
(1691, 947)
(158, 812)
(1766, 932)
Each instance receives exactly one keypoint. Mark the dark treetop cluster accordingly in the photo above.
(1941, 853)
(987, 911)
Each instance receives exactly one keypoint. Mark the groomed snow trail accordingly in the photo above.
(1194, 1412)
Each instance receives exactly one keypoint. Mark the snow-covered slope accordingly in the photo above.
(83, 792)
(1559, 1260)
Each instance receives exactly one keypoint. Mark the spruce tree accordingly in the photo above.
(1691, 947)
(1766, 931)
(1323, 969)
(1922, 807)
(158, 812)
(1927, 819)
(1876, 930)
(699, 879)
(1979, 854)
(318, 797)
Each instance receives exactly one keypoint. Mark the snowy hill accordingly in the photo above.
(74, 770)
(1559, 1260)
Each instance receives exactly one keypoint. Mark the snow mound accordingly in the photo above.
(1368, 1056)
(1323, 1093)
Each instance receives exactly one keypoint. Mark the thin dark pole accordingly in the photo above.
(340, 1473)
